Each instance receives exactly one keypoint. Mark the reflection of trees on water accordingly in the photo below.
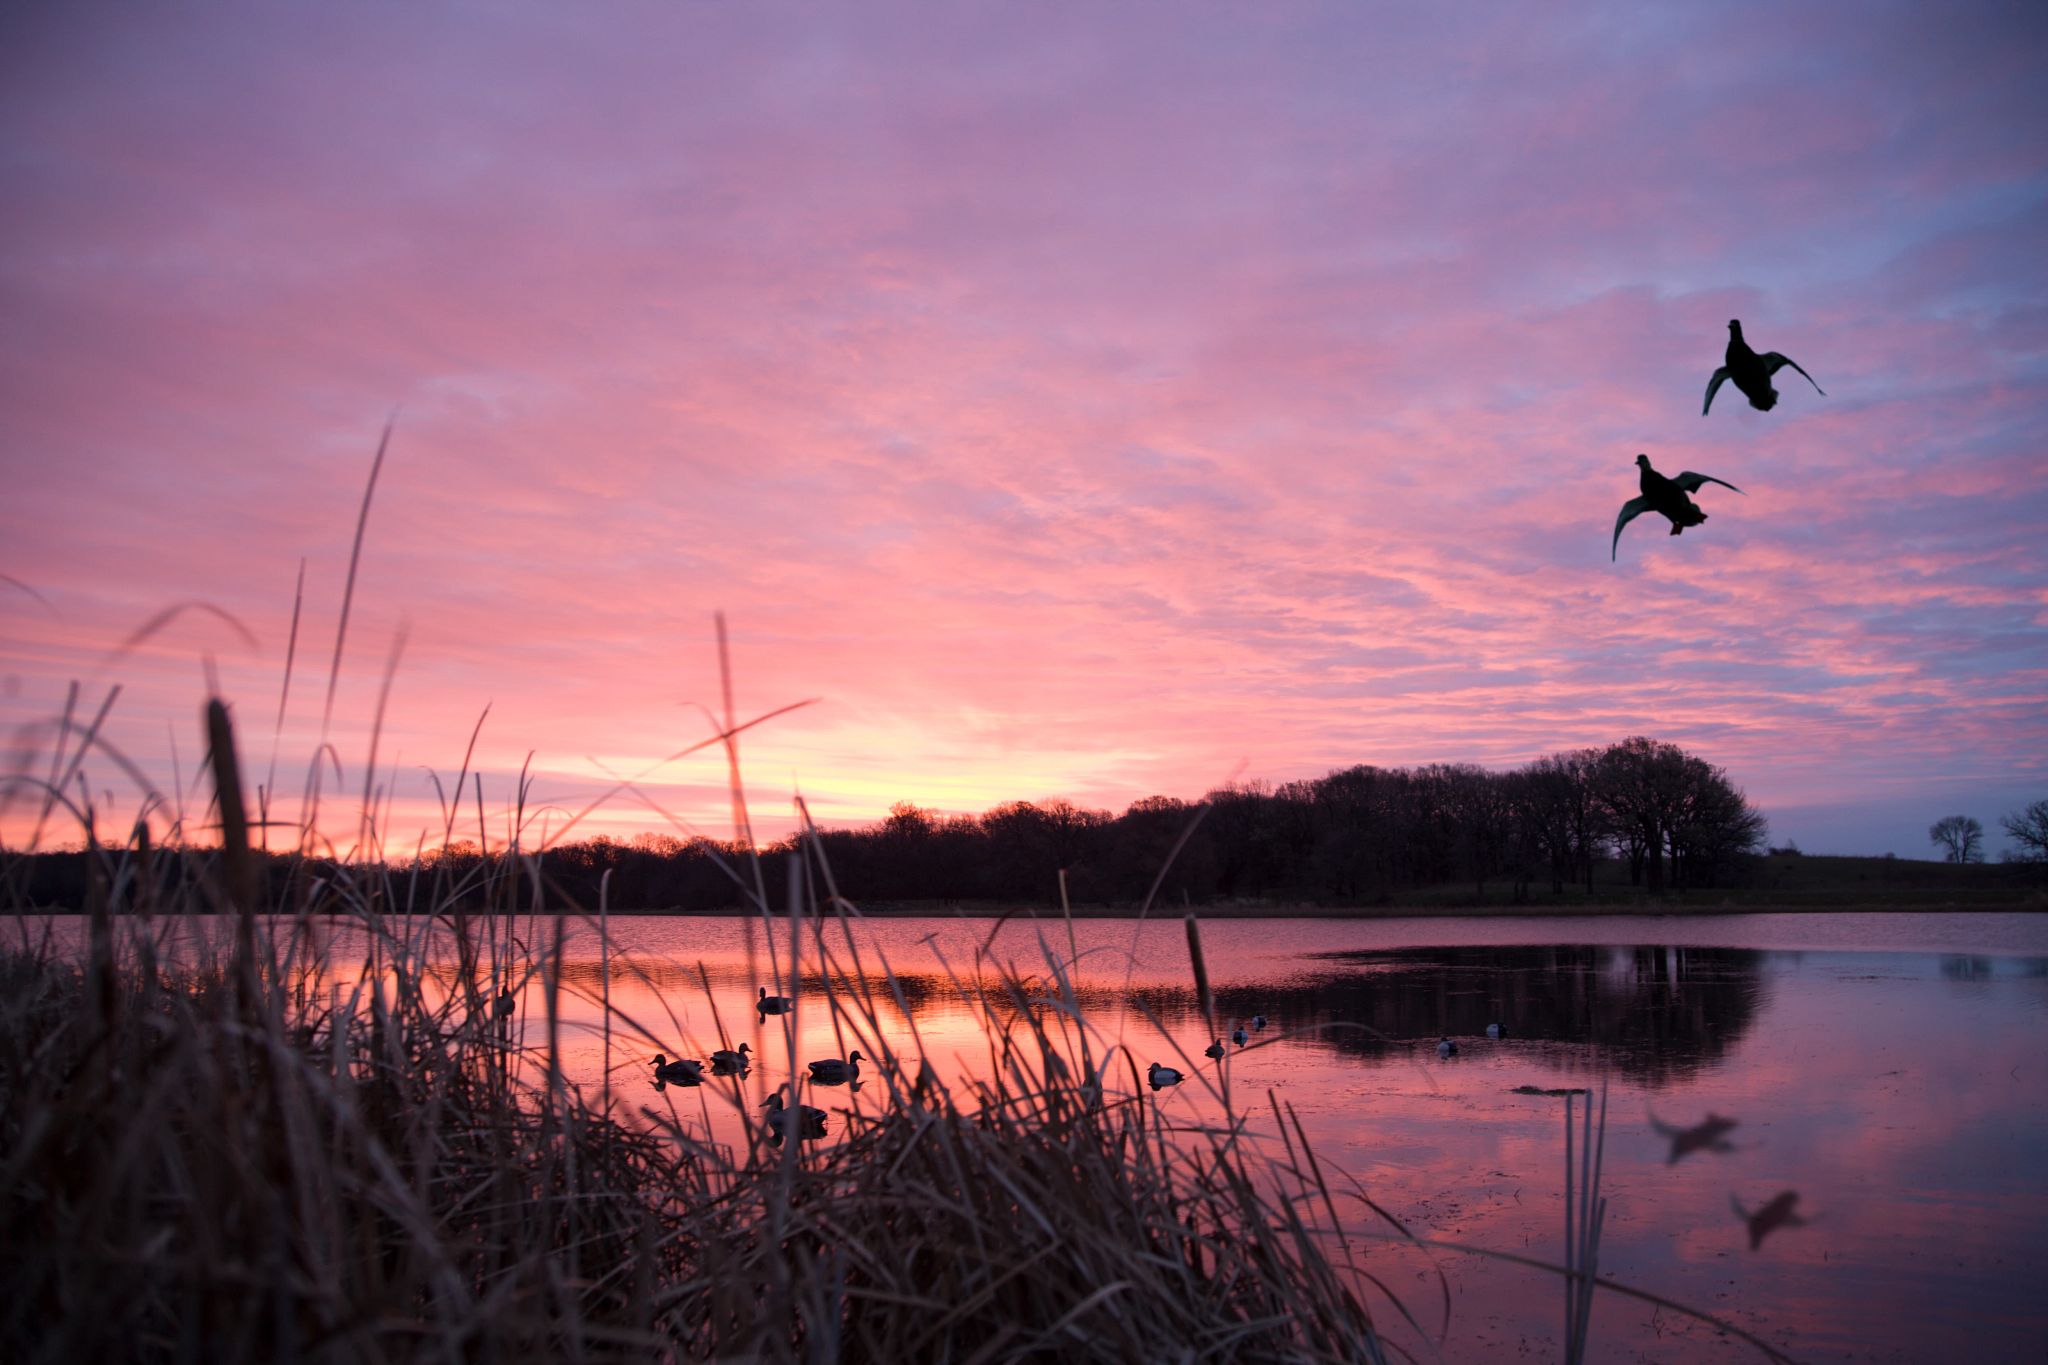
(1656, 1014)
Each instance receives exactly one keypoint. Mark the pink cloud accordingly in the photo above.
(1078, 406)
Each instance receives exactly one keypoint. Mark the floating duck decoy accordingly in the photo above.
(1667, 496)
(1496, 1031)
(806, 1121)
(1240, 1037)
(681, 1071)
(1752, 373)
(773, 1004)
(1162, 1076)
(833, 1071)
(1214, 1049)
(1710, 1136)
(1446, 1048)
(506, 1003)
(730, 1060)
(1768, 1219)
(1258, 1022)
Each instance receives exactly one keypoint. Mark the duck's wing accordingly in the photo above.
(1630, 510)
(1691, 482)
(1774, 362)
(1713, 385)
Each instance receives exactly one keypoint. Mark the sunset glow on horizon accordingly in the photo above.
(1076, 402)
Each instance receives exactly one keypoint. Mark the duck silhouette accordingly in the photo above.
(835, 1071)
(802, 1121)
(1752, 373)
(1768, 1219)
(681, 1071)
(1162, 1076)
(1667, 496)
(1708, 1136)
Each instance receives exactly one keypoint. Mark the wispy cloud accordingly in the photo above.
(1081, 403)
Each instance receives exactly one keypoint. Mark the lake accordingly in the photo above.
(1888, 1068)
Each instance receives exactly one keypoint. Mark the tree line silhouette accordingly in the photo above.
(1354, 836)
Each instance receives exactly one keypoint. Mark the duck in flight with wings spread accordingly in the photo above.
(1667, 496)
(1752, 373)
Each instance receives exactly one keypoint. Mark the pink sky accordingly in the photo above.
(1085, 401)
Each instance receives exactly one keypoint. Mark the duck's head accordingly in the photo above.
(1735, 326)
(1642, 462)
(854, 1056)
(743, 1048)
(1765, 401)
(660, 1060)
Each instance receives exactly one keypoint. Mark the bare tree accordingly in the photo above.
(2029, 829)
(1961, 835)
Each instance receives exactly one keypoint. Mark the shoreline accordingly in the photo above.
(2035, 904)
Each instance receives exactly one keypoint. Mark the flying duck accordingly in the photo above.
(1667, 496)
(833, 1071)
(1768, 1219)
(1752, 373)
(1710, 1136)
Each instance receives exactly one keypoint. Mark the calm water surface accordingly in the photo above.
(1889, 1068)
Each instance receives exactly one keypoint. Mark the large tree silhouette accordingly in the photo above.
(1961, 836)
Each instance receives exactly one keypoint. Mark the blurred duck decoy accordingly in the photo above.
(1214, 1049)
(1240, 1037)
(833, 1071)
(1446, 1048)
(681, 1071)
(506, 1003)
(1667, 496)
(730, 1060)
(806, 1121)
(1752, 373)
(1162, 1076)
(1258, 1022)
(1768, 1219)
(1496, 1031)
(773, 1004)
(1710, 1136)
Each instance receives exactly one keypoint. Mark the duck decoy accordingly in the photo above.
(1446, 1048)
(774, 1004)
(1768, 1219)
(1752, 373)
(1258, 1022)
(804, 1120)
(1496, 1031)
(833, 1071)
(681, 1071)
(1240, 1037)
(730, 1060)
(1214, 1049)
(1667, 496)
(1162, 1076)
(506, 1003)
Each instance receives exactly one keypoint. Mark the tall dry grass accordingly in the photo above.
(249, 1150)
